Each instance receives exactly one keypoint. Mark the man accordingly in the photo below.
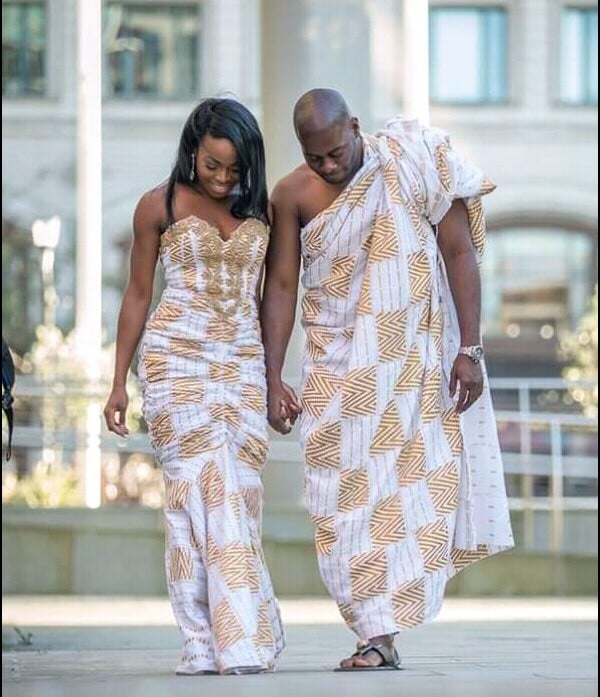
(404, 479)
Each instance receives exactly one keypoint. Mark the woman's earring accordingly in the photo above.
(193, 169)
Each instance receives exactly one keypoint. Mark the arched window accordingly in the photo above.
(537, 282)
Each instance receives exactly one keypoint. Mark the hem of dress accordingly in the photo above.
(397, 629)
(195, 669)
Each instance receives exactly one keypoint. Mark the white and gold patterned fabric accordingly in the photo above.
(203, 378)
(403, 492)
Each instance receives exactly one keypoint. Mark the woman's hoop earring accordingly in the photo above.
(193, 169)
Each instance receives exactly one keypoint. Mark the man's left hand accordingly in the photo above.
(468, 377)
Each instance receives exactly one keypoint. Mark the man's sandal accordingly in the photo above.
(390, 660)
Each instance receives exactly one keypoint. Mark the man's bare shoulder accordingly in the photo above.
(288, 190)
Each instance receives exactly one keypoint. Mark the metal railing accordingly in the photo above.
(540, 443)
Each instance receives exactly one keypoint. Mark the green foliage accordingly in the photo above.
(44, 487)
(580, 348)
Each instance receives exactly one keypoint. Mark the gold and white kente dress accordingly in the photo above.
(203, 378)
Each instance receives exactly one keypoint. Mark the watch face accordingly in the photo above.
(478, 352)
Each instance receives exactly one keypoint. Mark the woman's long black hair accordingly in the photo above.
(225, 118)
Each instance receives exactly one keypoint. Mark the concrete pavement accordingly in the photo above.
(101, 647)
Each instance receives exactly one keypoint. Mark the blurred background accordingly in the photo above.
(94, 96)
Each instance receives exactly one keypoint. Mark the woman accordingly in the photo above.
(203, 379)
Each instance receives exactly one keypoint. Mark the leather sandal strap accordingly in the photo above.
(389, 655)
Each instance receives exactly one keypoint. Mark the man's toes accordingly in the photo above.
(369, 660)
(366, 661)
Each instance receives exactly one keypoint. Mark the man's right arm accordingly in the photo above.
(280, 292)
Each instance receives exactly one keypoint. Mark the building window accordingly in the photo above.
(537, 282)
(23, 49)
(151, 50)
(467, 49)
(22, 304)
(579, 56)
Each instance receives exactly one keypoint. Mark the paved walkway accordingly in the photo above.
(121, 647)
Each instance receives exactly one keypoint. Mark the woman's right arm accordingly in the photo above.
(134, 308)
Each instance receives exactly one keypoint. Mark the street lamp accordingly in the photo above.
(46, 234)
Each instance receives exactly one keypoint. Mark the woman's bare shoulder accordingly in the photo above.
(151, 209)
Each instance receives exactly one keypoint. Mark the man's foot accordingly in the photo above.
(371, 658)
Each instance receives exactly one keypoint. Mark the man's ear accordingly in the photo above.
(355, 126)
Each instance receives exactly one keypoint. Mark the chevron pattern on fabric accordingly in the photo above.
(237, 566)
(337, 285)
(451, 427)
(390, 175)
(365, 304)
(411, 376)
(384, 240)
(161, 430)
(461, 558)
(441, 156)
(325, 535)
(387, 522)
(226, 626)
(164, 315)
(408, 603)
(184, 346)
(317, 341)
(176, 493)
(181, 567)
(323, 446)
(321, 386)
(389, 433)
(420, 276)
(442, 483)
(391, 333)
(252, 496)
(212, 485)
(186, 391)
(224, 372)
(347, 613)
(434, 545)
(221, 329)
(196, 442)
(411, 465)
(156, 366)
(312, 241)
(476, 223)
(212, 551)
(368, 575)
(431, 398)
(354, 490)
(253, 452)
(311, 306)
(224, 412)
(359, 392)
(249, 352)
(253, 398)
(264, 634)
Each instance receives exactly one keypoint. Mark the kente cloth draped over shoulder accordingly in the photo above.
(403, 492)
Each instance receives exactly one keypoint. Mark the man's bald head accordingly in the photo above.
(319, 110)
(329, 136)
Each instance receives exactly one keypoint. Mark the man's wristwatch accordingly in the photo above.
(475, 353)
